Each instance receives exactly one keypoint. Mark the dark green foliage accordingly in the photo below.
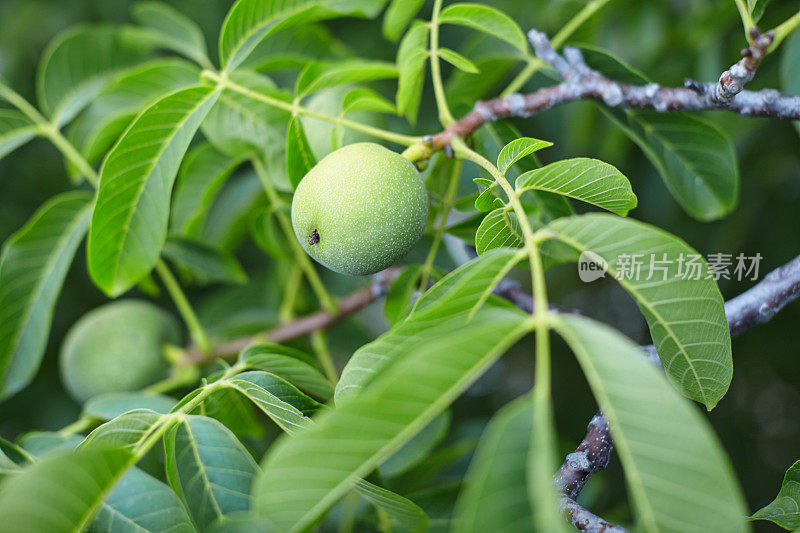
(291, 403)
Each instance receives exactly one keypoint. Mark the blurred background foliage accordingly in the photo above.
(668, 40)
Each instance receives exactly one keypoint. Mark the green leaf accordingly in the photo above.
(61, 493)
(500, 228)
(113, 404)
(416, 451)
(250, 21)
(234, 411)
(241, 126)
(304, 475)
(588, 180)
(363, 99)
(125, 95)
(242, 522)
(12, 458)
(292, 365)
(128, 430)
(399, 298)
(295, 47)
(33, 264)
(398, 15)
(543, 496)
(695, 159)
(208, 468)
(492, 138)
(140, 503)
(299, 156)
(41, 444)
(15, 130)
(277, 398)
(460, 293)
(205, 263)
(412, 55)
(686, 316)
(402, 512)
(129, 223)
(517, 149)
(203, 173)
(784, 510)
(495, 489)
(174, 30)
(678, 476)
(486, 19)
(487, 200)
(756, 8)
(464, 89)
(226, 222)
(7, 466)
(458, 61)
(79, 62)
(466, 229)
(268, 234)
(319, 76)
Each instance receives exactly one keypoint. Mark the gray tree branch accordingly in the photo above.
(580, 82)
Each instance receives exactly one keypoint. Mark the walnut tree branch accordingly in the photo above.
(580, 82)
(303, 325)
(585, 520)
(733, 80)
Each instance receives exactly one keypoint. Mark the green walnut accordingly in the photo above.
(117, 347)
(360, 209)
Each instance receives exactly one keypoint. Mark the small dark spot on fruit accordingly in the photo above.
(313, 237)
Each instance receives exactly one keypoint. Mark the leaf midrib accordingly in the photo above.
(195, 447)
(639, 298)
(48, 270)
(134, 206)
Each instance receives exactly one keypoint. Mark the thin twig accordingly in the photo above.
(585, 520)
(303, 325)
(733, 80)
(762, 302)
(591, 456)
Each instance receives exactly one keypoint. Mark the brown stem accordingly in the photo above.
(303, 325)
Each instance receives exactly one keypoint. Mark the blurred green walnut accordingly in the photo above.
(117, 347)
(360, 209)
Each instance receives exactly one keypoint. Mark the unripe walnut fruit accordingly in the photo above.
(360, 209)
(117, 347)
